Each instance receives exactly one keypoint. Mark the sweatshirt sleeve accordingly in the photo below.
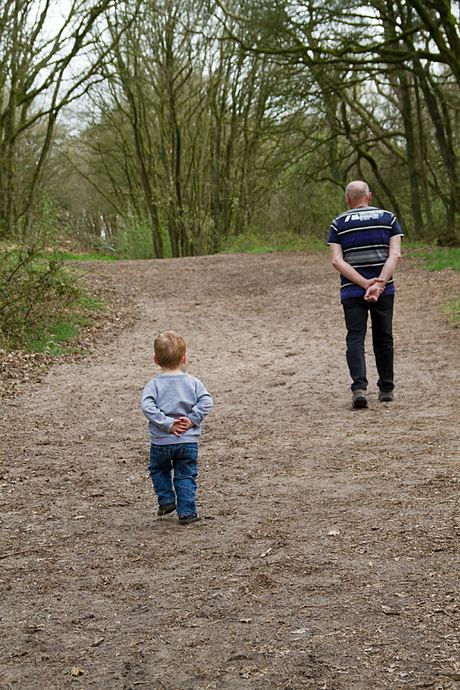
(152, 411)
(202, 406)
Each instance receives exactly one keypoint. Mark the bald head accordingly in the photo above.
(357, 194)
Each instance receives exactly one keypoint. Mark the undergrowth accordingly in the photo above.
(452, 307)
(67, 256)
(42, 302)
(59, 337)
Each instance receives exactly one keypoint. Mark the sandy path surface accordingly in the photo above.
(328, 556)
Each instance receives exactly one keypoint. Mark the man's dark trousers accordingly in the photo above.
(356, 310)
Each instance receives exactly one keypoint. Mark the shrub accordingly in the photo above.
(35, 289)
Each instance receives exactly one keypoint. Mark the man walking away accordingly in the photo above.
(365, 247)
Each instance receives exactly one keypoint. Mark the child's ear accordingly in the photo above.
(155, 359)
(184, 358)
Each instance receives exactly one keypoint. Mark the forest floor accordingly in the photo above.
(328, 556)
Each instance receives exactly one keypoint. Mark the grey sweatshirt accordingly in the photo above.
(169, 396)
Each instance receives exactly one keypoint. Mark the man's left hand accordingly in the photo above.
(374, 291)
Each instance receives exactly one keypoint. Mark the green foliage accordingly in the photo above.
(134, 240)
(35, 289)
(200, 231)
(102, 246)
(303, 210)
(48, 226)
(42, 303)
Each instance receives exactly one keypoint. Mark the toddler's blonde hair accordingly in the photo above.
(169, 349)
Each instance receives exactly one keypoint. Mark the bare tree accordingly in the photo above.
(45, 64)
(382, 80)
(188, 113)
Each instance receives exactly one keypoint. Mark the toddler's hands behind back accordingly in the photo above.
(180, 425)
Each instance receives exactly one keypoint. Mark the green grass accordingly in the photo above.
(62, 256)
(94, 256)
(452, 308)
(90, 303)
(60, 337)
(250, 243)
(438, 259)
(54, 340)
(283, 242)
(57, 339)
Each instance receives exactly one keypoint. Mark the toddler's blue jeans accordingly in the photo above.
(183, 459)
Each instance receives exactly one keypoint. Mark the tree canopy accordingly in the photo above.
(199, 122)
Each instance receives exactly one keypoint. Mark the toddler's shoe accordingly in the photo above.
(386, 396)
(187, 519)
(166, 508)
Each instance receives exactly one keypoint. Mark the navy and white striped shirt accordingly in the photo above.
(364, 234)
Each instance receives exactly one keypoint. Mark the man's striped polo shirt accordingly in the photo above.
(364, 234)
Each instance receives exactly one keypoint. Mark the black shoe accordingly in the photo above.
(166, 508)
(359, 398)
(386, 396)
(187, 519)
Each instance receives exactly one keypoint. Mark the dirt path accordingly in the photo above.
(328, 556)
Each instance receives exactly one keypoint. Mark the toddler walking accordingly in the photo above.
(175, 405)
